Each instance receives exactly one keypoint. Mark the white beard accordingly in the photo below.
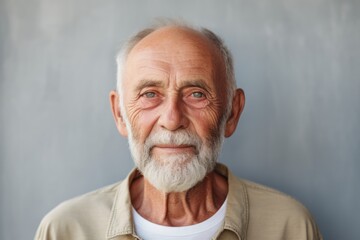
(178, 172)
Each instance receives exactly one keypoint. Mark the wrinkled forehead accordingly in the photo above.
(177, 42)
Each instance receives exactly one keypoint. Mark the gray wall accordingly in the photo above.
(297, 60)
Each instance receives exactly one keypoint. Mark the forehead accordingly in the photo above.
(175, 47)
(168, 37)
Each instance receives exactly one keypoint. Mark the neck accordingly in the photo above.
(179, 208)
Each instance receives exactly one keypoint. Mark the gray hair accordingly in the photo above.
(211, 36)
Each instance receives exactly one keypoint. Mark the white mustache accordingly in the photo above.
(180, 137)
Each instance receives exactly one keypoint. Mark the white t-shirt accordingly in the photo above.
(204, 230)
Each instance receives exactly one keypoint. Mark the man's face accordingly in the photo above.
(174, 101)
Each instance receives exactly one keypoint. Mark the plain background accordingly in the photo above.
(297, 60)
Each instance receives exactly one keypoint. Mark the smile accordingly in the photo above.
(173, 149)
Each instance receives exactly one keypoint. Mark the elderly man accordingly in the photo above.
(176, 100)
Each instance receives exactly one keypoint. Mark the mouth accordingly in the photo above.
(173, 149)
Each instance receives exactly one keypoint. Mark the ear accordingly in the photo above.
(115, 109)
(238, 104)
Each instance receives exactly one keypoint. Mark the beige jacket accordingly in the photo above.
(254, 212)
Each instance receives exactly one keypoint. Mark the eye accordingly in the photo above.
(198, 94)
(196, 98)
(149, 95)
(149, 99)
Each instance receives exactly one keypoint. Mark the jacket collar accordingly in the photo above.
(237, 211)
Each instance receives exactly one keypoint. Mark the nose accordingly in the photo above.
(173, 117)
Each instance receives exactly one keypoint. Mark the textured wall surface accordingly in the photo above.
(298, 62)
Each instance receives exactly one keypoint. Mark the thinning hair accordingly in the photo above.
(124, 51)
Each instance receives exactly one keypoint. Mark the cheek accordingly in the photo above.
(206, 122)
(142, 122)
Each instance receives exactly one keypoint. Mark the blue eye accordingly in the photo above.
(149, 94)
(197, 94)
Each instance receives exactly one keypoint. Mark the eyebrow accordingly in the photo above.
(149, 83)
(195, 83)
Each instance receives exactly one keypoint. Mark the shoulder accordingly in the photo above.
(263, 198)
(72, 216)
(86, 204)
(260, 197)
(259, 194)
(278, 214)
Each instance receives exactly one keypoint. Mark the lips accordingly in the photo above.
(172, 148)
